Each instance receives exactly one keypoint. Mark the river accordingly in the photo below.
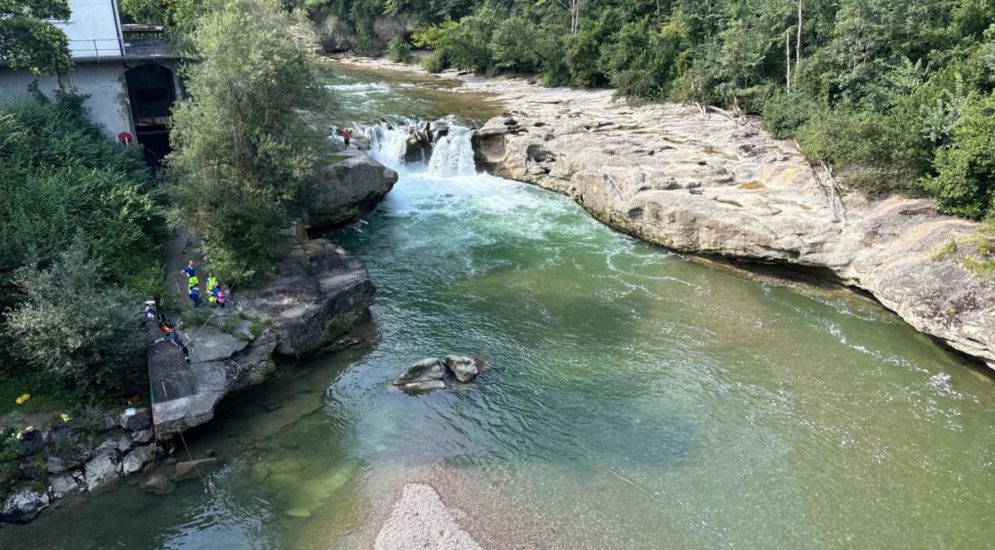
(634, 400)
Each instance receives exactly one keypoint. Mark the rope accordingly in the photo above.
(184, 441)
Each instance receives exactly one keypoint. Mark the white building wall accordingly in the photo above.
(93, 29)
(103, 82)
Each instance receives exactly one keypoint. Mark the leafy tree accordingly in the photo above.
(29, 41)
(965, 180)
(75, 328)
(244, 150)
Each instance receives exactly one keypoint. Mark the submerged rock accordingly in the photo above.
(158, 484)
(299, 513)
(192, 469)
(463, 367)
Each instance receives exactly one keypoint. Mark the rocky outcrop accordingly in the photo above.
(75, 457)
(318, 294)
(349, 188)
(337, 35)
(714, 185)
(433, 374)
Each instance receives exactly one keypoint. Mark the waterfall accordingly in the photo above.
(387, 141)
(452, 153)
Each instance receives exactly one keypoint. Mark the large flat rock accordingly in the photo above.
(318, 295)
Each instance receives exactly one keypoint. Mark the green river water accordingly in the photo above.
(635, 399)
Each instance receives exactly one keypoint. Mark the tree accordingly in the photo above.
(76, 329)
(28, 41)
(244, 148)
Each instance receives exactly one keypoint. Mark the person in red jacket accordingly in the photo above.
(346, 134)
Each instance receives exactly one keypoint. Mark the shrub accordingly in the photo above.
(965, 180)
(75, 328)
(785, 113)
(399, 50)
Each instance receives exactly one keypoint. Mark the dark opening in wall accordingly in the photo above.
(151, 88)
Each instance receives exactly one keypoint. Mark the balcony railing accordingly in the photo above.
(98, 49)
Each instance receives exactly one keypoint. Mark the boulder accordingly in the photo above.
(136, 459)
(464, 368)
(191, 468)
(31, 442)
(24, 505)
(101, 472)
(425, 375)
(142, 437)
(348, 189)
(139, 419)
(63, 485)
(124, 443)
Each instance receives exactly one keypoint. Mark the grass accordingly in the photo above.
(46, 396)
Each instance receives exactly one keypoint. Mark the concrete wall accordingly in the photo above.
(104, 83)
(93, 29)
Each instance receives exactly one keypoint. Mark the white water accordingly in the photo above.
(452, 154)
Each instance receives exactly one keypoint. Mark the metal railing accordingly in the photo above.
(120, 48)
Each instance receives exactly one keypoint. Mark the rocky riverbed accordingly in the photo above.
(708, 183)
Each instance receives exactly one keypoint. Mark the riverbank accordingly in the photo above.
(708, 183)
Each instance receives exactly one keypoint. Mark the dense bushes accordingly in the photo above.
(244, 151)
(878, 88)
(80, 234)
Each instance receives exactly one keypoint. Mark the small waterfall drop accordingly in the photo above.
(388, 142)
(452, 152)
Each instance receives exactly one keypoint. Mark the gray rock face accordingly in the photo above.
(425, 375)
(464, 368)
(23, 505)
(713, 185)
(349, 188)
(101, 472)
(318, 295)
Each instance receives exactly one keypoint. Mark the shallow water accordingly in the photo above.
(634, 400)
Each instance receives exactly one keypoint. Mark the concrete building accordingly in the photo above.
(128, 72)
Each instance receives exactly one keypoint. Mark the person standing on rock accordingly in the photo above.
(191, 273)
(346, 134)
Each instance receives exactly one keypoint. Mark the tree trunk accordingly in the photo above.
(787, 54)
(798, 42)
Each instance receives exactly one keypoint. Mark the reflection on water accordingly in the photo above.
(635, 400)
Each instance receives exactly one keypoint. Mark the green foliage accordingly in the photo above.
(29, 40)
(77, 329)
(399, 50)
(59, 177)
(965, 180)
(244, 149)
(785, 113)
